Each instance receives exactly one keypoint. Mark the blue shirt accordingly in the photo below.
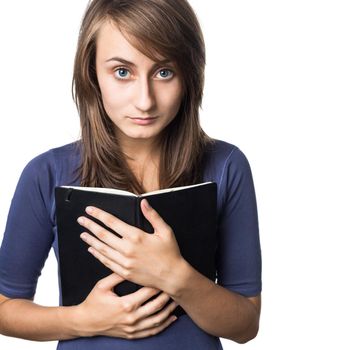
(31, 232)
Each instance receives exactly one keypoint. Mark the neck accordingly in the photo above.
(139, 151)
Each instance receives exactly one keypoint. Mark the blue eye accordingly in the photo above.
(121, 70)
(165, 70)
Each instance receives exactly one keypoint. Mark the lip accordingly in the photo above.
(146, 118)
(143, 121)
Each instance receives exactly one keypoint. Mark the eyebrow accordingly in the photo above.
(119, 59)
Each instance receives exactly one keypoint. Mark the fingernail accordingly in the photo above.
(146, 204)
(83, 236)
(89, 210)
(80, 220)
(174, 318)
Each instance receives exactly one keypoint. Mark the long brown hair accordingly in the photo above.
(166, 27)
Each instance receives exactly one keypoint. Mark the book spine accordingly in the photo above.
(138, 216)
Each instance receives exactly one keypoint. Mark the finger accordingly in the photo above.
(141, 296)
(109, 282)
(112, 265)
(103, 248)
(153, 217)
(111, 221)
(158, 322)
(104, 235)
(153, 306)
(154, 330)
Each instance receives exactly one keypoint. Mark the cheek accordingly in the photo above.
(171, 98)
(112, 98)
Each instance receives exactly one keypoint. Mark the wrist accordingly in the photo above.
(178, 279)
(72, 317)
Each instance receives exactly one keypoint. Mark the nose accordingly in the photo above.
(144, 97)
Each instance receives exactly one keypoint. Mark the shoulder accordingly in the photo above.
(227, 165)
(223, 156)
(57, 166)
(56, 163)
(57, 154)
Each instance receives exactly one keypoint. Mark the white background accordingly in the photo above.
(282, 84)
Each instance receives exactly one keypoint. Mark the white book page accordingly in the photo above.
(102, 190)
(127, 193)
(173, 189)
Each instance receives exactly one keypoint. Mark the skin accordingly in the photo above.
(139, 90)
(153, 261)
(135, 91)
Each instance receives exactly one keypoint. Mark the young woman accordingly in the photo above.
(138, 85)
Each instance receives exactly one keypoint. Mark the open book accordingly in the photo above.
(191, 211)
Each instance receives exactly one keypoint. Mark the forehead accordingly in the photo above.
(111, 41)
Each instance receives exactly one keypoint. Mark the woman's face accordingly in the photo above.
(140, 89)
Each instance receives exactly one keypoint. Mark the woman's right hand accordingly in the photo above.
(105, 313)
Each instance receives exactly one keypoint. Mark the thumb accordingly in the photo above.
(109, 282)
(153, 217)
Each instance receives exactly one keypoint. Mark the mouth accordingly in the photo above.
(143, 121)
(146, 118)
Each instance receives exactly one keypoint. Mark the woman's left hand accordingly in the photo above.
(142, 258)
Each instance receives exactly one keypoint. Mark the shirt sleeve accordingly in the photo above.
(239, 252)
(28, 233)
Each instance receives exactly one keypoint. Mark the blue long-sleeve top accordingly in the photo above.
(31, 231)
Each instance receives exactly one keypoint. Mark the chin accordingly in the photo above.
(142, 135)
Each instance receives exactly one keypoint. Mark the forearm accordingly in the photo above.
(213, 308)
(22, 318)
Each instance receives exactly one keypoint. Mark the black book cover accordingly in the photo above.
(189, 210)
